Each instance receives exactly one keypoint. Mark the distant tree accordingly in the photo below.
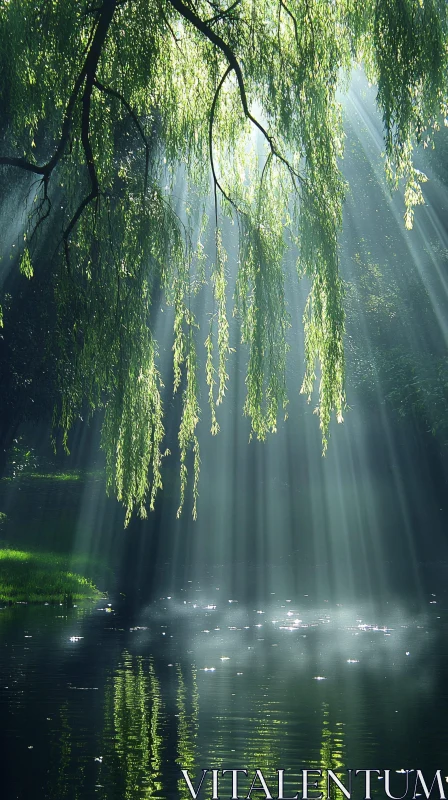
(105, 103)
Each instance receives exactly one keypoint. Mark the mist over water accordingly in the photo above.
(97, 706)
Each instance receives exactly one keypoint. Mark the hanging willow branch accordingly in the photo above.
(122, 96)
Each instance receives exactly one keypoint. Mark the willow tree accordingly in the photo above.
(105, 103)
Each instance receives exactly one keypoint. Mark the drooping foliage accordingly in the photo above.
(107, 107)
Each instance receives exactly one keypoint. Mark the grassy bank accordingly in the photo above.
(32, 577)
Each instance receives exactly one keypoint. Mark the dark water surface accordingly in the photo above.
(97, 701)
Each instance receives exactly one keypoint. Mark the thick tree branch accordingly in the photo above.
(22, 163)
(89, 67)
(48, 168)
(87, 77)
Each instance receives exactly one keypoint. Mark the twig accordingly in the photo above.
(210, 143)
(294, 21)
(222, 14)
(168, 25)
(113, 93)
(45, 200)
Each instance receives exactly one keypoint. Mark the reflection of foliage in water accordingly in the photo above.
(187, 727)
(133, 709)
(262, 747)
(135, 738)
(60, 778)
(332, 751)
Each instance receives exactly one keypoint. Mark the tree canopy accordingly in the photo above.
(107, 105)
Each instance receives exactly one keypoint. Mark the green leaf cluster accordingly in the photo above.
(117, 106)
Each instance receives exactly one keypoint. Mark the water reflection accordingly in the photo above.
(188, 725)
(132, 735)
(98, 705)
(61, 748)
(332, 751)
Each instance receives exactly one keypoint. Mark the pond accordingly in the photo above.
(98, 701)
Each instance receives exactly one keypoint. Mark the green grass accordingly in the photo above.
(57, 477)
(75, 475)
(27, 576)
